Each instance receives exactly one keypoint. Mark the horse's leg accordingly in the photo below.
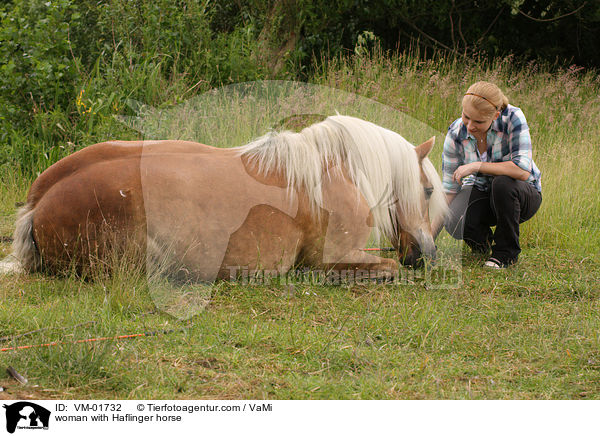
(337, 239)
(350, 261)
(268, 240)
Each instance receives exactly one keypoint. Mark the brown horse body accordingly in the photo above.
(202, 213)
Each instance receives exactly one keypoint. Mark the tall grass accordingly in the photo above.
(562, 107)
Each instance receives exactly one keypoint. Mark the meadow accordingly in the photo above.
(528, 332)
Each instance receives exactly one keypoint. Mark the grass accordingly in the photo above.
(510, 334)
(527, 332)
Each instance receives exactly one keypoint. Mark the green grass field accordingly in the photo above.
(531, 331)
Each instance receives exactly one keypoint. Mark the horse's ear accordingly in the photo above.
(424, 149)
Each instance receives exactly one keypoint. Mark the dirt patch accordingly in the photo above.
(12, 390)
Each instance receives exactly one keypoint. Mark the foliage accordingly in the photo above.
(529, 29)
(36, 68)
(158, 51)
(67, 66)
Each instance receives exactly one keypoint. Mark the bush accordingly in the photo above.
(37, 69)
(68, 66)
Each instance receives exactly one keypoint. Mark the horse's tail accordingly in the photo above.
(25, 256)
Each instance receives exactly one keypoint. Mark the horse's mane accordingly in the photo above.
(381, 163)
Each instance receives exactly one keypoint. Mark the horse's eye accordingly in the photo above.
(428, 192)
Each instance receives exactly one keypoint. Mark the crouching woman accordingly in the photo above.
(489, 176)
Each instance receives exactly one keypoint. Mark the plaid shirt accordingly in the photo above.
(508, 139)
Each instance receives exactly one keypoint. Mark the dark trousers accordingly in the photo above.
(508, 203)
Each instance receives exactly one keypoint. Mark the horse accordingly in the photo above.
(203, 213)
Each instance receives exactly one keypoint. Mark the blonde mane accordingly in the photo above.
(382, 165)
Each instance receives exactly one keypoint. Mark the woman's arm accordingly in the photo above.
(507, 168)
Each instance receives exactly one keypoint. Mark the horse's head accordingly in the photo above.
(415, 240)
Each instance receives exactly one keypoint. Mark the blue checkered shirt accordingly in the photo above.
(508, 139)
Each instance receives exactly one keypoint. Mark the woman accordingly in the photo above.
(489, 176)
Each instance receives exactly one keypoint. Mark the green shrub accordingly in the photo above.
(68, 66)
(37, 68)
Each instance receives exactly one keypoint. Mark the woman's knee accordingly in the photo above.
(504, 188)
(503, 184)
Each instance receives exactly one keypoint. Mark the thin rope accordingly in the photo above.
(13, 337)
(81, 341)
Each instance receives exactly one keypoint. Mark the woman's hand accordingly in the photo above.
(465, 170)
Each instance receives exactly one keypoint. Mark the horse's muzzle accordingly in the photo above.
(416, 259)
(424, 249)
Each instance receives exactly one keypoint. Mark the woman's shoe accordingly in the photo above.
(494, 263)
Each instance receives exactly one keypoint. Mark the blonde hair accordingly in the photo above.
(486, 97)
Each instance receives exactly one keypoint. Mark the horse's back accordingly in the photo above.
(110, 151)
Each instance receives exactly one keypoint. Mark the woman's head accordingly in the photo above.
(482, 104)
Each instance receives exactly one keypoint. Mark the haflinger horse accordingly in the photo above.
(311, 198)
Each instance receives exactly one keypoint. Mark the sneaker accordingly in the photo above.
(494, 263)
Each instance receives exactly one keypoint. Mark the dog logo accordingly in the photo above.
(26, 415)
